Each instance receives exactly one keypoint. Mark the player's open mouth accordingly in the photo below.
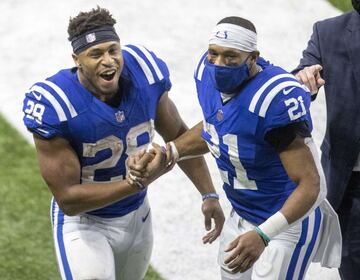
(108, 75)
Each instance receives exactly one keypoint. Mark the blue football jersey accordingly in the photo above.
(101, 135)
(255, 180)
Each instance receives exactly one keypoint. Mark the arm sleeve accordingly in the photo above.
(43, 116)
(280, 138)
(311, 55)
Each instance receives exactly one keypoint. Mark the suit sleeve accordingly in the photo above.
(311, 55)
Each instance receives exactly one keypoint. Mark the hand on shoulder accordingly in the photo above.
(311, 78)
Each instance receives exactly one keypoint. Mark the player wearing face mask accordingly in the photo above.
(257, 125)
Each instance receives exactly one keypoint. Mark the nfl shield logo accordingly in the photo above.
(120, 116)
(219, 115)
(90, 37)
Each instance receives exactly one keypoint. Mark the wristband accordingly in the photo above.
(263, 236)
(276, 224)
(175, 153)
(210, 195)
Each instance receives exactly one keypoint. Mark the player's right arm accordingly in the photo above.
(60, 168)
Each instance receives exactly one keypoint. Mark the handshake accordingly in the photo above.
(147, 165)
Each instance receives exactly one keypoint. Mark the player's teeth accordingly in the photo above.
(109, 73)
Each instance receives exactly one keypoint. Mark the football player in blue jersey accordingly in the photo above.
(257, 125)
(86, 121)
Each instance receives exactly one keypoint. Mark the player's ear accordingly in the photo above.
(254, 55)
(76, 60)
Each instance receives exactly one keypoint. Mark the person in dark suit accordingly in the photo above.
(332, 58)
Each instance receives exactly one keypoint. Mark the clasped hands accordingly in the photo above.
(147, 165)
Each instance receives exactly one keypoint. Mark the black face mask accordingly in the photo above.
(356, 5)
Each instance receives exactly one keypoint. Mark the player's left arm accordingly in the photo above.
(298, 154)
(299, 164)
(170, 126)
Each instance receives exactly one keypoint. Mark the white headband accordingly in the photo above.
(234, 36)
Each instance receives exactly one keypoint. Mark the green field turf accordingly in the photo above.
(343, 5)
(26, 247)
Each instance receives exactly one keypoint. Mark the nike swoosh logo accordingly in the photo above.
(286, 92)
(37, 96)
(146, 216)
